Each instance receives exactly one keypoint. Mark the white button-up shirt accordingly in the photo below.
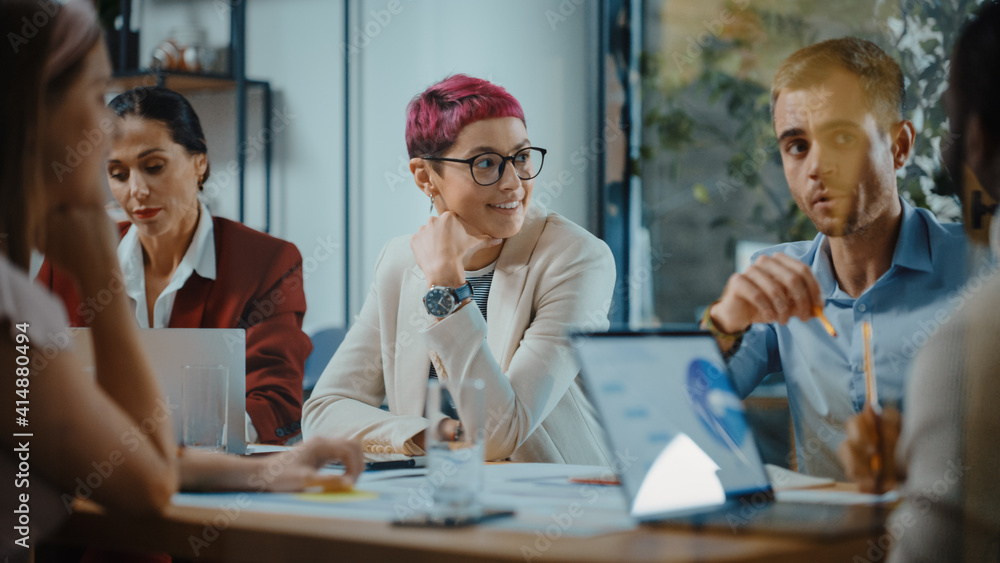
(200, 257)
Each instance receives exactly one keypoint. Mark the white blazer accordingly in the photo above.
(552, 277)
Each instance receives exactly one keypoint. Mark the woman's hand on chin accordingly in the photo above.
(444, 246)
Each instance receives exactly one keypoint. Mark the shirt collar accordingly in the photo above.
(203, 245)
(913, 248)
(130, 259)
(912, 251)
(200, 255)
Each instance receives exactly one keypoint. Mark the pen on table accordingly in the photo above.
(818, 311)
(410, 463)
(871, 401)
(393, 464)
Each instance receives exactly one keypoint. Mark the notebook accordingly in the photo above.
(169, 349)
(686, 454)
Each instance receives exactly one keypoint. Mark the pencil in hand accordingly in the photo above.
(871, 402)
(818, 311)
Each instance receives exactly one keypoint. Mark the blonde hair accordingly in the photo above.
(880, 75)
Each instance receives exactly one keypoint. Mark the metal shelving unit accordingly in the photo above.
(236, 81)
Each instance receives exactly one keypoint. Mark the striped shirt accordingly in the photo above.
(480, 281)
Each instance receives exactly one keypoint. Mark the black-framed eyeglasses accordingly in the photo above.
(488, 168)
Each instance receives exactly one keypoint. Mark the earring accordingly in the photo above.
(432, 205)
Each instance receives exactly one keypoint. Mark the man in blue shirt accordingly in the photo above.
(837, 112)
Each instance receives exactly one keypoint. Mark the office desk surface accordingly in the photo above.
(249, 534)
(256, 537)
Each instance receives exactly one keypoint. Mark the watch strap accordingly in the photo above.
(463, 292)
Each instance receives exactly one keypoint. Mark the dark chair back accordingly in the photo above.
(325, 343)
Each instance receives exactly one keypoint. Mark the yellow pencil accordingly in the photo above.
(818, 311)
(871, 401)
(871, 391)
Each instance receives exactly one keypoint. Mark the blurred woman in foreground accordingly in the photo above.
(75, 423)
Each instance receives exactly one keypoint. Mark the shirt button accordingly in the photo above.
(862, 307)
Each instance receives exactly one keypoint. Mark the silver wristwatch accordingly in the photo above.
(442, 301)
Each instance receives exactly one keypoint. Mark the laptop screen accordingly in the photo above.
(675, 425)
(169, 349)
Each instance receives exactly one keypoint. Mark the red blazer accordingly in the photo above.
(258, 287)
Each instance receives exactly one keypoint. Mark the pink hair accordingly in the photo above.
(435, 117)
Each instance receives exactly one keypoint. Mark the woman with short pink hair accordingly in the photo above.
(487, 289)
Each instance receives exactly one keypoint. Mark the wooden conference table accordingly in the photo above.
(257, 536)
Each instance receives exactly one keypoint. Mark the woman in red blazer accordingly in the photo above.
(184, 268)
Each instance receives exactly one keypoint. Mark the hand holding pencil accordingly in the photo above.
(774, 289)
(872, 405)
(858, 450)
(868, 452)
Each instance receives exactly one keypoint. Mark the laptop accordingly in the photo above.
(687, 454)
(170, 349)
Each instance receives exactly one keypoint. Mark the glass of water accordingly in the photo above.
(455, 462)
(204, 391)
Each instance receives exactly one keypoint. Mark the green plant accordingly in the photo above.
(923, 36)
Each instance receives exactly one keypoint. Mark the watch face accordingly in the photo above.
(439, 301)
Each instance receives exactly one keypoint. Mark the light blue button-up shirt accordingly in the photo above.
(825, 375)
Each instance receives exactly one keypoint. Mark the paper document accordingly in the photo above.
(783, 479)
(831, 496)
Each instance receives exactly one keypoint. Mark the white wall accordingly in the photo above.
(543, 51)
(296, 45)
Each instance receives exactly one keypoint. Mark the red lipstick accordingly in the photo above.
(146, 212)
